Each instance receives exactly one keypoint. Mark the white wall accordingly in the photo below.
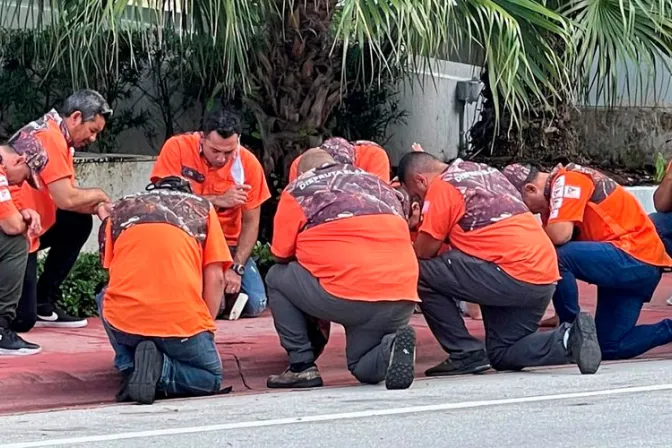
(117, 175)
(434, 111)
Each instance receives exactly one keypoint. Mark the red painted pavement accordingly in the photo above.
(75, 366)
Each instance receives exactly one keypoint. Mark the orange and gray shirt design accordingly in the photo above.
(185, 211)
(488, 195)
(337, 191)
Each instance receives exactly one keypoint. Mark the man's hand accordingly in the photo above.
(232, 282)
(234, 196)
(103, 210)
(32, 219)
(415, 147)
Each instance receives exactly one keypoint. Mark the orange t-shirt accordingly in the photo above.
(156, 279)
(604, 211)
(371, 158)
(61, 165)
(180, 156)
(7, 207)
(517, 244)
(356, 245)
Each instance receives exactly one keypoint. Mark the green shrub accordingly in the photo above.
(79, 289)
(261, 254)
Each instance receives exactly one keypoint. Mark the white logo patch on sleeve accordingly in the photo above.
(572, 192)
(3, 181)
(425, 207)
(5, 195)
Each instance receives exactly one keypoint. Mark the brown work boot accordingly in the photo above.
(295, 380)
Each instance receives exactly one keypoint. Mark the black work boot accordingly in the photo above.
(470, 363)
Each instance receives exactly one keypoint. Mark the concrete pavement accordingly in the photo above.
(624, 404)
(75, 367)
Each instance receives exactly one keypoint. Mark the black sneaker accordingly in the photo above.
(583, 345)
(53, 317)
(472, 363)
(146, 374)
(13, 345)
(401, 370)
(122, 396)
(295, 380)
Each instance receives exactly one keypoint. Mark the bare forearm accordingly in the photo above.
(213, 291)
(215, 200)
(84, 200)
(246, 241)
(662, 198)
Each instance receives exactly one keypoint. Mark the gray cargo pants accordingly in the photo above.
(294, 294)
(13, 259)
(511, 312)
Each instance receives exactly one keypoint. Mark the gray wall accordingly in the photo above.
(434, 112)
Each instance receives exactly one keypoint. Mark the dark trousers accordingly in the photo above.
(295, 296)
(511, 311)
(624, 284)
(64, 240)
(13, 258)
(663, 223)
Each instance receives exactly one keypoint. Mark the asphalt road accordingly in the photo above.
(624, 405)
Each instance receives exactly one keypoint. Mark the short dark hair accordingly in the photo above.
(89, 102)
(222, 121)
(413, 162)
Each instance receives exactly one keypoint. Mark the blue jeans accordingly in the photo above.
(663, 223)
(624, 284)
(253, 285)
(191, 366)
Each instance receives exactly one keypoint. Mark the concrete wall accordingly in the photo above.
(117, 175)
(639, 123)
(433, 111)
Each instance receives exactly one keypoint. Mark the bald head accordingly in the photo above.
(418, 163)
(312, 159)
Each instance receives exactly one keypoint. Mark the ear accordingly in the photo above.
(529, 189)
(19, 160)
(76, 118)
(420, 180)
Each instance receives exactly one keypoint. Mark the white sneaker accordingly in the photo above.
(669, 301)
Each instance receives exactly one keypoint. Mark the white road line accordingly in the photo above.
(332, 417)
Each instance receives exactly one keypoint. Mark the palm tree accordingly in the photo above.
(289, 55)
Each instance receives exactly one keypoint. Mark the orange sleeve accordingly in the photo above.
(374, 160)
(294, 169)
(570, 193)
(59, 165)
(7, 206)
(255, 178)
(216, 249)
(288, 220)
(168, 162)
(442, 209)
(106, 245)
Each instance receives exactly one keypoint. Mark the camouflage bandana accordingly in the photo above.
(341, 150)
(518, 175)
(25, 144)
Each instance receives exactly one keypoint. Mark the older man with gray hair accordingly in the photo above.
(64, 208)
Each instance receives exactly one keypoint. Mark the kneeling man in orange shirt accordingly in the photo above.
(166, 255)
(500, 258)
(344, 255)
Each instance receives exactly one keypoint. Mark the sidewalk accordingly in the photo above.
(75, 366)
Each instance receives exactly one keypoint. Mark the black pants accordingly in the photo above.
(65, 240)
(13, 256)
(511, 312)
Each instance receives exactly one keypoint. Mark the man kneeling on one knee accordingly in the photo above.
(500, 259)
(165, 252)
(603, 237)
(344, 255)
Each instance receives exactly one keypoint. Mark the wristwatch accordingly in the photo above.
(238, 269)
